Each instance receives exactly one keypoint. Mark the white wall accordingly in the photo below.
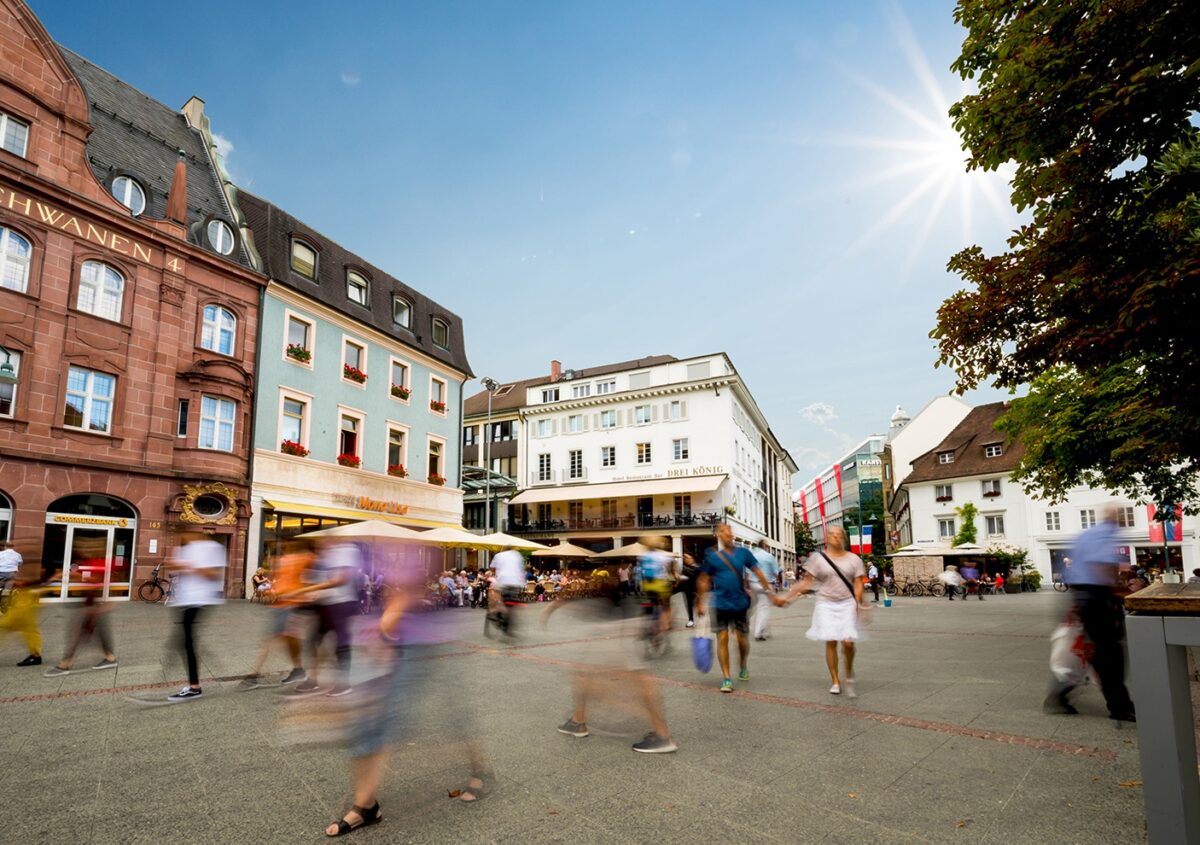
(924, 431)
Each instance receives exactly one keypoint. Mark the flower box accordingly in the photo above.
(299, 353)
(944, 499)
(439, 480)
(401, 392)
(435, 405)
(730, 510)
(991, 494)
(347, 460)
(291, 447)
(353, 373)
(397, 470)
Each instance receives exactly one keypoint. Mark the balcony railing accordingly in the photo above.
(642, 520)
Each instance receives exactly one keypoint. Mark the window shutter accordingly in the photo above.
(554, 426)
(666, 410)
(596, 420)
(683, 409)
(653, 413)
(586, 423)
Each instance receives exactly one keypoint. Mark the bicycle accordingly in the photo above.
(1060, 586)
(156, 589)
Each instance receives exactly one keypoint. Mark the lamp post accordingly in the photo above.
(8, 373)
(490, 386)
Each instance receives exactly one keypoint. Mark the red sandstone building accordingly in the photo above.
(128, 314)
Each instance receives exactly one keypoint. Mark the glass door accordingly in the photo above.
(86, 570)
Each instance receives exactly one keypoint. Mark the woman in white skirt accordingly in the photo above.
(837, 575)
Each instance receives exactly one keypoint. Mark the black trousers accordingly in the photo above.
(335, 618)
(1103, 621)
(689, 598)
(188, 620)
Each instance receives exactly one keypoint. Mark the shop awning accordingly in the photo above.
(621, 489)
(352, 513)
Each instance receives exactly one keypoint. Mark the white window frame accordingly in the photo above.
(545, 467)
(679, 449)
(643, 457)
(11, 386)
(1087, 518)
(637, 415)
(549, 394)
(945, 457)
(993, 450)
(218, 422)
(606, 416)
(408, 371)
(6, 260)
(99, 288)
(433, 332)
(366, 288)
(581, 391)
(445, 400)
(603, 388)
(1053, 521)
(361, 430)
(989, 520)
(288, 316)
(608, 457)
(407, 324)
(361, 344)
(88, 397)
(306, 399)
(293, 241)
(215, 325)
(392, 425)
(990, 485)
(543, 423)
(125, 197)
(1126, 517)
(224, 244)
(940, 490)
(572, 421)
(444, 454)
(675, 409)
(5, 119)
(942, 521)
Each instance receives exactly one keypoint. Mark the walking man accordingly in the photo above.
(1092, 577)
(769, 567)
(873, 579)
(509, 567)
(724, 574)
(199, 567)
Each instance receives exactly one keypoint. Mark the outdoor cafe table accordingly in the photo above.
(1164, 620)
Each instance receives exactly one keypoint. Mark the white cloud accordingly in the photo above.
(350, 78)
(818, 413)
(223, 144)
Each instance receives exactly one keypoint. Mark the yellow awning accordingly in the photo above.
(620, 489)
(353, 513)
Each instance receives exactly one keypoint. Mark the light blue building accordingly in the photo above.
(359, 396)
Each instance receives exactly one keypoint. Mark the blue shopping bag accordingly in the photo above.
(702, 647)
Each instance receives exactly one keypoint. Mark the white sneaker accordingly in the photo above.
(691, 624)
(850, 691)
(835, 690)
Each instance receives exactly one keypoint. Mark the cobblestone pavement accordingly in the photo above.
(945, 743)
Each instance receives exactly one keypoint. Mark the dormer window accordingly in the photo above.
(401, 312)
(129, 193)
(220, 237)
(357, 288)
(14, 134)
(993, 450)
(304, 260)
(441, 334)
(945, 457)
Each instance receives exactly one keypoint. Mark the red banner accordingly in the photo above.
(820, 500)
(1173, 529)
(804, 505)
(837, 473)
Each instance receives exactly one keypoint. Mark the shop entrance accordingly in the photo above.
(89, 544)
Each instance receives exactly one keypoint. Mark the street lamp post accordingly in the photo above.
(8, 373)
(490, 386)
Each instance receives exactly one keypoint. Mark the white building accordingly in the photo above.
(848, 494)
(655, 446)
(973, 463)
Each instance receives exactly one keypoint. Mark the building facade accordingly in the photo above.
(128, 310)
(849, 494)
(359, 411)
(659, 446)
(974, 464)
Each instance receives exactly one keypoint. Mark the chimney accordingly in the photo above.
(177, 196)
(555, 370)
(193, 110)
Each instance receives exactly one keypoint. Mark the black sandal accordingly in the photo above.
(367, 817)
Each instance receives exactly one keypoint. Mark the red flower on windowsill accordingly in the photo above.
(291, 447)
(348, 460)
(435, 405)
(439, 480)
(298, 352)
(397, 470)
(353, 373)
(401, 392)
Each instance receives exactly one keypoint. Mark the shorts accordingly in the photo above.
(735, 619)
(658, 591)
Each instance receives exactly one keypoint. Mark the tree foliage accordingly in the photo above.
(1092, 304)
(966, 529)
(805, 545)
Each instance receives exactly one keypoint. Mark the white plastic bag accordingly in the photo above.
(1069, 649)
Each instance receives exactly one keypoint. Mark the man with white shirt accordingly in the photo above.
(769, 566)
(199, 582)
(509, 567)
(873, 580)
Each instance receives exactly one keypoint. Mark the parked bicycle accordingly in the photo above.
(1060, 586)
(156, 588)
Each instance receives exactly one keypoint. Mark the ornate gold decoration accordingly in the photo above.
(191, 492)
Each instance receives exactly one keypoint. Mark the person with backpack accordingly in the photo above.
(838, 576)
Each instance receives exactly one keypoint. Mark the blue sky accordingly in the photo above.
(600, 181)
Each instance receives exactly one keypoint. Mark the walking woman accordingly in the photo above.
(837, 575)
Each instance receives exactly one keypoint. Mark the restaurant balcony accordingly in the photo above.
(659, 521)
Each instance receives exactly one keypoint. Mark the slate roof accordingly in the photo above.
(273, 230)
(135, 135)
(515, 398)
(978, 429)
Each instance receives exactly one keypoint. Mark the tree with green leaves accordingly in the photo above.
(966, 528)
(805, 545)
(1093, 303)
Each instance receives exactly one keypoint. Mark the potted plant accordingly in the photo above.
(991, 494)
(353, 373)
(439, 480)
(944, 499)
(401, 392)
(730, 510)
(397, 470)
(298, 353)
(348, 460)
(435, 405)
(291, 447)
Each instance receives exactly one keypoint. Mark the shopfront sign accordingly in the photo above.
(684, 473)
(71, 519)
(366, 503)
(56, 218)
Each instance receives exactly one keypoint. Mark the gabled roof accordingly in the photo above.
(135, 135)
(273, 230)
(511, 395)
(966, 441)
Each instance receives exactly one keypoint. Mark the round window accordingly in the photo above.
(209, 506)
(220, 236)
(129, 194)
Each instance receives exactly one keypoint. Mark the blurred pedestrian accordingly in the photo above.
(22, 615)
(952, 580)
(509, 566)
(839, 575)
(873, 580)
(336, 597)
(724, 573)
(1095, 563)
(688, 579)
(92, 565)
(199, 582)
(287, 625)
(769, 566)
(970, 574)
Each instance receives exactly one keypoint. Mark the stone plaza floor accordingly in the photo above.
(945, 743)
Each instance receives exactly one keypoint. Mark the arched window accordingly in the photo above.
(401, 312)
(357, 288)
(15, 253)
(218, 330)
(101, 289)
(441, 333)
(6, 510)
(304, 259)
(129, 194)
